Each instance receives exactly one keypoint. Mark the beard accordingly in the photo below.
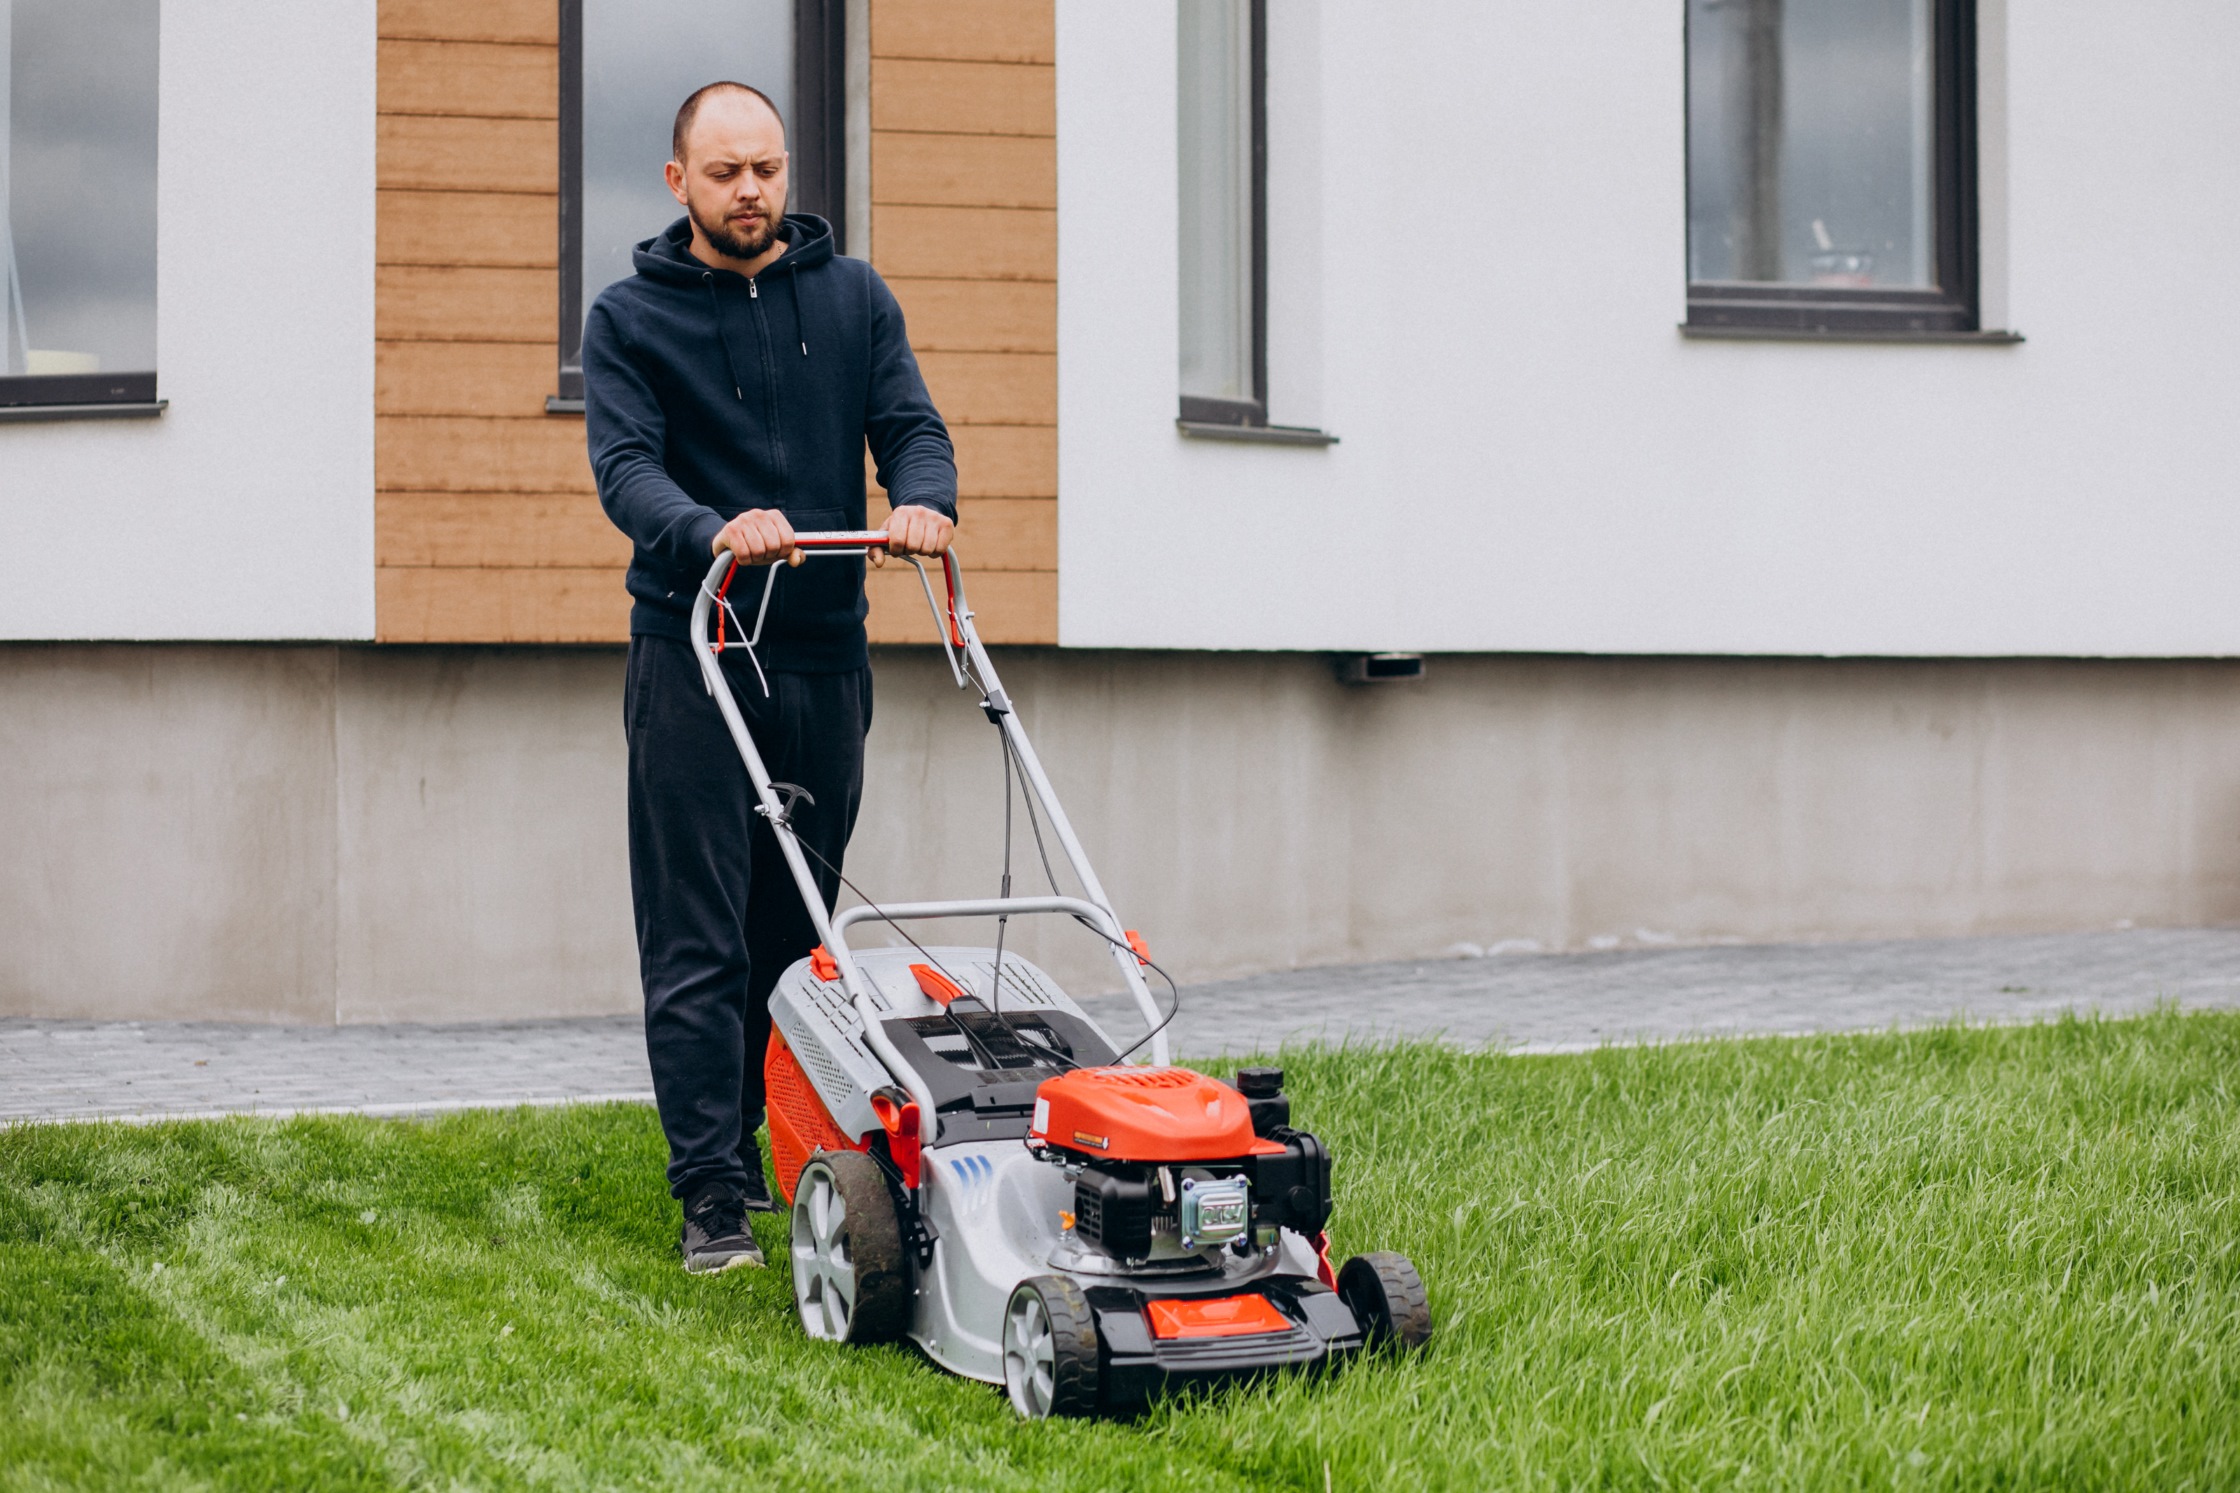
(739, 245)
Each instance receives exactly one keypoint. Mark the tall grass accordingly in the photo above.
(1958, 1258)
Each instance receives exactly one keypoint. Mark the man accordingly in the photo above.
(730, 386)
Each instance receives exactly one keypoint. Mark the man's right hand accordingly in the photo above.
(760, 536)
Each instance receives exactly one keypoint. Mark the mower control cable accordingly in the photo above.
(1174, 991)
(971, 1038)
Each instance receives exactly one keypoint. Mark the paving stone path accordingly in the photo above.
(1537, 1002)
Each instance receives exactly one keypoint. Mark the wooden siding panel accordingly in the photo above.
(964, 170)
(497, 529)
(463, 378)
(480, 79)
(966, 30)
(1000, 533)
(1000, 461)
(448, 453)
(452, 304)
(515, 230)
(460, 604)
(570, 529)
(487, 528)
(1009, 606)
(456, 604)
(993, 388)
(983, 316)
(963, 98)
(991, 243)
(533, 21)
(440, 153)
(1006, 461)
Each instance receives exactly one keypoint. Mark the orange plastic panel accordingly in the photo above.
(938, 987)
(823, 965)
(900, 1120)
(1143, 1114)
(1224, 1316)
(800, 1125)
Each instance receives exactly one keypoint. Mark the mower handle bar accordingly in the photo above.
(983, 907)
(961, 642)
(846, 542)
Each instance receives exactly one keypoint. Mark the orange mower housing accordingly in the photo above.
(800, 1125)
(1144, 1114)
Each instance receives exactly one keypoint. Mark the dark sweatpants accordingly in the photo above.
(719, 916)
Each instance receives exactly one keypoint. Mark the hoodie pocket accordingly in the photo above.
(823, 595)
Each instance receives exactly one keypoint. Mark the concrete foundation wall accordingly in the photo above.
(347, 834)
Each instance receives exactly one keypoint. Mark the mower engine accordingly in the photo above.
(1169, 1165)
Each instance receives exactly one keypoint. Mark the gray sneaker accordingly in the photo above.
(716, 1237)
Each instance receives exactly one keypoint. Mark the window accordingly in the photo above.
(78, 203)
(1221, 73)
(1831, 165)
(625, 66)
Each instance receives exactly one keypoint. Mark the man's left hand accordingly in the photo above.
(914, 529)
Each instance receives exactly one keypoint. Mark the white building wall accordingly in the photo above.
(246, 509)
(1477, 268)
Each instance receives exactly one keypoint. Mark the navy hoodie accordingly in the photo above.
(707, 393)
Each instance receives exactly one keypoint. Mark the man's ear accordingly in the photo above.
(673, 174)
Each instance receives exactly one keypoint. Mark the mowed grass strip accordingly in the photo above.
(1956, 1258)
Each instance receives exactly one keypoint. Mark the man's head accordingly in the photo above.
(729, 167)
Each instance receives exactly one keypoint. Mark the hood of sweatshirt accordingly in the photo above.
(667, 256)
(667, 259)
(708, 393)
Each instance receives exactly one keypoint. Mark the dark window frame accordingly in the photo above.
(816, 138)
(1196, 410)
(51, 396)
(76, 390)
(1956, 305)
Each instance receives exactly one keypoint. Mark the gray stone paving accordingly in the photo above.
(1562, 1002)
(142, 1070)
(1537, 1002)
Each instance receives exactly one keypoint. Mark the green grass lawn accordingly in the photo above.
(1990, 1258)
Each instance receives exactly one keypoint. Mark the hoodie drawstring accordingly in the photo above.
(715, 311)
(800, 323)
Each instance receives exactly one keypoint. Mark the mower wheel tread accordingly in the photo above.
(1388, 1296)
(874, 1240)
(1073, 1341)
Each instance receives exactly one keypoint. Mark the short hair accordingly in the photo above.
(690, 109)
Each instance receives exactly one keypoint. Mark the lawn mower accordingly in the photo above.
(974, 1164)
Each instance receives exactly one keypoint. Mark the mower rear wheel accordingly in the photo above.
(850, 1278)
(1388, 1298)
(1050, 1349)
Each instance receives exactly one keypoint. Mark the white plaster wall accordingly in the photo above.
(1477, 266)
(246, 509)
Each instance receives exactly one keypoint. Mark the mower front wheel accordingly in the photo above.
(850, 1278)
(1050, 1349)
(1387, 1298)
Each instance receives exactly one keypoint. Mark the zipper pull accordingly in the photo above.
(752, 293)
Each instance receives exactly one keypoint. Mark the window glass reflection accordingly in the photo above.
(1214, 75)
(1810, 139)
(641, 59)
(77, 186)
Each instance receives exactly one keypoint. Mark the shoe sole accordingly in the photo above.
(736, 1262)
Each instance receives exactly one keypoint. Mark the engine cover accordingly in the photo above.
(1142, 1114)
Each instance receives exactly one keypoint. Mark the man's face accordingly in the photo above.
(733, 178)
